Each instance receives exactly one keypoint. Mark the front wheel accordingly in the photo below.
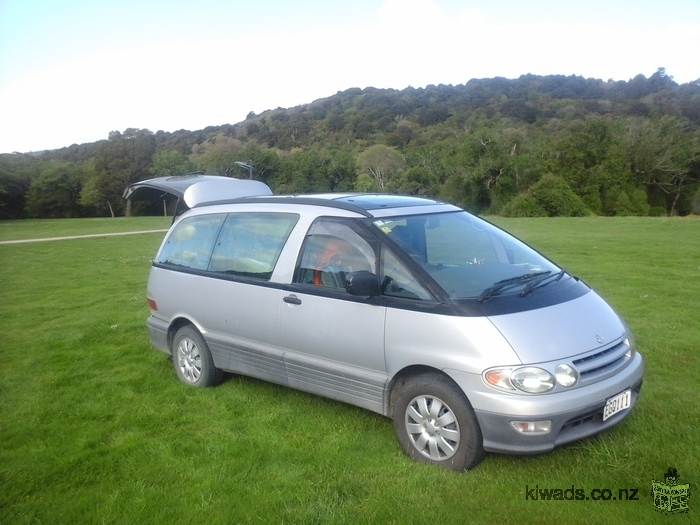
(192, 360)
(435, 423)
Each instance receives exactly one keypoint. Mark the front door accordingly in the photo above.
(334, 341)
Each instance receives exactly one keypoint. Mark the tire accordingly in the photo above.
(435, 423)
(192, 359)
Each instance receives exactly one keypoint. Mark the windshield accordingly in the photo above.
(468, 257)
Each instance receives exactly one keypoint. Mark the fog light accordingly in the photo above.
(532, 428)
(566, 376)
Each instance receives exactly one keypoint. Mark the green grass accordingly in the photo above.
(95, 428)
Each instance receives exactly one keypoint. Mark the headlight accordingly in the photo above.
(528, 379)
(533, 380)
(566, 376)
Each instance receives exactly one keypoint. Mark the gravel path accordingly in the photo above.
(22, 241)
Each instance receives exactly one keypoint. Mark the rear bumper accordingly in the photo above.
(158, 334)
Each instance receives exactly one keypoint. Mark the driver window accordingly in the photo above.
(332, 250)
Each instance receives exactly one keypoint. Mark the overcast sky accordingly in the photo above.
(71, 71)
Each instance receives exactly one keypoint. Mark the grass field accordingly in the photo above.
(95, 428)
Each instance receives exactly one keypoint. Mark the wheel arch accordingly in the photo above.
(403, 375)
(175, 325)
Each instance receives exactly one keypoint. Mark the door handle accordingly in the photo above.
(292, 299)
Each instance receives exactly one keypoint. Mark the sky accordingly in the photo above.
(72, 71)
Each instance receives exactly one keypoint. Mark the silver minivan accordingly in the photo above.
(467, 338)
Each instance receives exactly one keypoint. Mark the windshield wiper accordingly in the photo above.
(536, 282)
(507, 283)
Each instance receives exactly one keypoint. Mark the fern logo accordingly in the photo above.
(670, 497)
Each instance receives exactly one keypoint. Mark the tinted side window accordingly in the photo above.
(332, 250)
(250, 243)
(190, 243)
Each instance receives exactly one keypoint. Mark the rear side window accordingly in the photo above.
(250, 243)
(191, 242)
(244, 244)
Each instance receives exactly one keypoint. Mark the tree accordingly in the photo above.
(589, 156)
(55, 193)
(94, 195)
(414, 181)
(316, 170)
(122, 160)
(381, 162)
(219, 155)
(16, 172)
(13, 190)
(170, 162)
(624, 200)
(664, 155)
(486, 162)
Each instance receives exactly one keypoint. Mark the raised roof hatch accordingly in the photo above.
(196, 189)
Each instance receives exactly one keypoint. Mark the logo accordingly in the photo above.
(599, 339)
(670, 497)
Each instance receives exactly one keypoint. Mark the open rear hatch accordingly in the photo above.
(195, 189)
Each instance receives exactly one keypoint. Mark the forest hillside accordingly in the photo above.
(532, 146)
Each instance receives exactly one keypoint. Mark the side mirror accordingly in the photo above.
(362, 283)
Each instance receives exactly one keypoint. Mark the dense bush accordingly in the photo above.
(551, 196)
(524, 205)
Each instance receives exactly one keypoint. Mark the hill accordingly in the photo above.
(536, 145)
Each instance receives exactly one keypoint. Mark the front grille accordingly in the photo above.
(602, 363)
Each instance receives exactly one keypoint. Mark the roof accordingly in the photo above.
(364, 203)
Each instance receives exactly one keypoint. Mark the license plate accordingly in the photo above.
(616, 404)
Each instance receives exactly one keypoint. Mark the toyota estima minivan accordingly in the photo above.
(467, 338)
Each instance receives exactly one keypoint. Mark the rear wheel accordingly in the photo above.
(192, 360)
(435, 423)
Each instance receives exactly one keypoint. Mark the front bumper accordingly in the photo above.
(575, 415)
(499, 435)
